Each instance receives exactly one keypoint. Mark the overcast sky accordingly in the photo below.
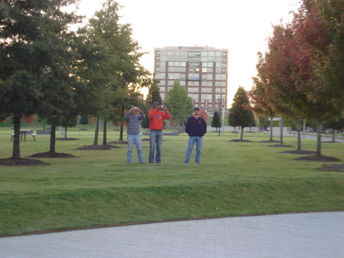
(241, 26)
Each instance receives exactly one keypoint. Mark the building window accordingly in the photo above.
(207, 97)
(193, 76)
(160, 76)
(207, 77)
(207, 83)
(193, 90)
(192, 83)
(206, 90)
(220, 77)
(220, 84)
(194, 54)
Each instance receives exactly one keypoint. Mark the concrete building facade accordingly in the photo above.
(201, 70)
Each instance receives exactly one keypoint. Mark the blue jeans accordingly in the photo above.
(194, 140)
(135, 140)
(155, 146)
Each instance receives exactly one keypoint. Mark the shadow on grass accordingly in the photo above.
(238, 140)
(318, 158)
(98, 147)
(268, 141)
(67, 139)
(280, 146)
(299, 152)
(52, 155)
(333, 168)
(22, 162)
(119, 142)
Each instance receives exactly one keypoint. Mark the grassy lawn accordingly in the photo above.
(98, 188)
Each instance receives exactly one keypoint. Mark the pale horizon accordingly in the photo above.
(227, 24)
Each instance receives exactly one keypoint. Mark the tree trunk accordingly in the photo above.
(219, 130)
(334, 135)
(105, 132)
(241, 133)
(271, 133)
(65, 134)
(121, 124)
(16, 137)
(299, 125)
(53, 139)
(281, 130)
(96, 132)
(318, 152)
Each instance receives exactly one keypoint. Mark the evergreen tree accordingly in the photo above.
(216, 121)
(154, 93)
(240, 114)
(29, 50)
(179, 104)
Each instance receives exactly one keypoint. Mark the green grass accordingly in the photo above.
(98, 188)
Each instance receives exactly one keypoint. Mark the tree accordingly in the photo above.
(28, 29)
(299, 69)
(216, 121)
(335, 125)
(179, 104)
(117, 63)
(240, 114)
(259, 95)
(153, 93)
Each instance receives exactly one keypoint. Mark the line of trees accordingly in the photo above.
(59, 74)
(301, 76)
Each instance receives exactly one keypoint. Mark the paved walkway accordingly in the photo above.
(311, 235)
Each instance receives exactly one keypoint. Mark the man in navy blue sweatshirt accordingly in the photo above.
(195, 127)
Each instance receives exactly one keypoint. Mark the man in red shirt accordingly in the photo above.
(156, 115)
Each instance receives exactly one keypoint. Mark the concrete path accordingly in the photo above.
(311, 235)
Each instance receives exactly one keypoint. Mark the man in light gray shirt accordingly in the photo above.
(134, 118)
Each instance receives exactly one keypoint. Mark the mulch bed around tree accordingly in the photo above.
(67, 139)
(52, 155)
(301, 152)
(280, 146)
(333, 168)
(97, 147)
(119, 142)
(318, 158)
(238, 140)
(22, 162)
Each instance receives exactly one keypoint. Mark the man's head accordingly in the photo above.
(135, 110)
(197, 111)
(156, 105)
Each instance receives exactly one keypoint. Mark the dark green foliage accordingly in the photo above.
(179, 104)
(240, 113)
(216, 121)
(154, 93)
(30, 52)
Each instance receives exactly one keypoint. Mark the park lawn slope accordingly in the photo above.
(100, 189)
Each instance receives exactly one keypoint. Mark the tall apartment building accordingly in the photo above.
(201, 70)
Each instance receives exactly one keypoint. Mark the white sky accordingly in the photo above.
(241, 26)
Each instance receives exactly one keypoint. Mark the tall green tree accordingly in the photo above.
(153, 93)
(240, 114)
(27, 33)
(179, 103)
(216, 121)
(118, 61)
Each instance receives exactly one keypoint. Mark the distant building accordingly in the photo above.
(201, 70)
